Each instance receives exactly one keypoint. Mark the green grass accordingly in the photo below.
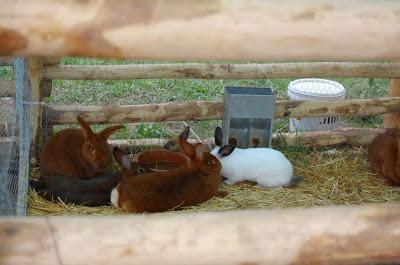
(119, 92)
(6, 73)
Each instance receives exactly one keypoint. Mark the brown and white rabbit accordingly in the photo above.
(77, 153)
(190, 184)
(384, 156)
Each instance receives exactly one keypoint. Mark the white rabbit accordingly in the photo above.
(266, 166)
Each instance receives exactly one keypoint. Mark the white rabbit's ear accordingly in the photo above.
(226, 150)
(232, 141)
(218, 136)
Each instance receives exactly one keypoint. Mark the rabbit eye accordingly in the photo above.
(211, 162)
(141, 170)
(92, 149)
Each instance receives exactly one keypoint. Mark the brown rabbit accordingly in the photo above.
(383, 155)
(190, 184)
(77, 153)
(173, 143)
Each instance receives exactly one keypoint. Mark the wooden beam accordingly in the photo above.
(222, 71)
(33, 73)
(199, 110)
(8, 140)
(213, 110)
(355, 235)
(6, 61)
(350, 136)
(7, 88)
(8, 129)
(202, 30)
(344, 108)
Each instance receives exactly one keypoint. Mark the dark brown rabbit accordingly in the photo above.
(90, 192)
(383, 155)
(77, 153)
(190, 184)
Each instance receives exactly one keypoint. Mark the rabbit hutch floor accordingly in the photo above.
(340, 176)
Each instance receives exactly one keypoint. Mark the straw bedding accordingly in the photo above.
(331, 177)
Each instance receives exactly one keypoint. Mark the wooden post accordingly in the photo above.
(6, 61)
(223, 71)
(7, 88)
(213, 110)
(47, 87)
(202, 30)
(22, 95)
(392, 120)
(358, 235)
(343, 136)
(34, 73)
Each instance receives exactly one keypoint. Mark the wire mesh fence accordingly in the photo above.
(15, 138)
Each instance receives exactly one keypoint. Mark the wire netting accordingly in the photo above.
(15, 138)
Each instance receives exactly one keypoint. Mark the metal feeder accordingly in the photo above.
(248, 116)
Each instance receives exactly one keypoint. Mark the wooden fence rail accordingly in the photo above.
(202, 30)
(343, 136)
(6, 61)
(335, 235)
(222, 71)
(213, 110)
(7, 88)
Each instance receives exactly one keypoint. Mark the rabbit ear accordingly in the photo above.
(122, 158)
(87, 131)
(185, 134)
(226, 150)
(107, 132)
(232, 141)
(186, 148)
(218, 136)
(200, 150)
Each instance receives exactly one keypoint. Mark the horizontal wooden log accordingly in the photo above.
(343, 136)
(6, 61)
(222, 71)
(213, 110)
(195, 110)
(150, 142)
(333, 235)
(7, 140)
(7, 88)
(202, 30)
(343, 108)
(8, 129)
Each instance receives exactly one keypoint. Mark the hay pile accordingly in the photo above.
(333, 177)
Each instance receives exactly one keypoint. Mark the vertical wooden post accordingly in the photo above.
(46, 129)
(34, 73)
(22, 97)
(392, 120)
(40, 88)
